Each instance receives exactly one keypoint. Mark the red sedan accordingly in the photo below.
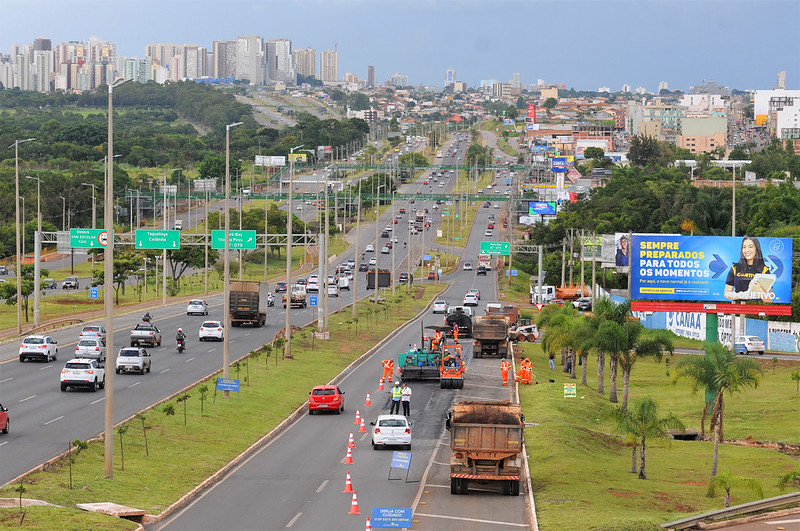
(326, 398)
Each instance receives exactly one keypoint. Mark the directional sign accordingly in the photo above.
(92, 293)
(239, 239)
(158, 239)
(312, 300)
(503, 248)
(88, 238)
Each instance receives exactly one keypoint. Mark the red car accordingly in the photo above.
(326, 398)
(4, 422)
(490, 226)
(433, 276)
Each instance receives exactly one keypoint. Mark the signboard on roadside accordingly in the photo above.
(158, 239)
(227, 384)
(502, 248)
(570, 390)
(239, 239)
(88, 238)
(391, 517)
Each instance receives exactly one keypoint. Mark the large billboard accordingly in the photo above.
(542, 208)
(711, 268)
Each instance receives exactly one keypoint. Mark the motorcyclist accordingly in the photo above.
(180, 337)
(146, 317)
(270, 299)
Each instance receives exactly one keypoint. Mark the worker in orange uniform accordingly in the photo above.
(436, 341)
(388, 368)
(521, 369)
(455, 332)
(505, 366)
(526, 375)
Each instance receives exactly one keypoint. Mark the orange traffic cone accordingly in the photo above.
(358, 416)
(380, 385)
(351, 443)
(354, 505)
(369, 402)
(369, 527)
(348, 484)
(363, 428)
(348, 460)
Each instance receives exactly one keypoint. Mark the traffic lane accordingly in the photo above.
(790, 521)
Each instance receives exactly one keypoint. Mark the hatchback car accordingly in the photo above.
(439, 306)
(467, 266)
(133, 359)
(43, 348)
(475, 291)
(370, 248)
(747, 344)
(93, 332)
(280, 287)
(391, 430)
(82, 372)
(211, 330)
(433, 276)
(363, 267)
(481, 270)
(90, 348)
(403, 278)
(470, 299)
(197, 307)
(49, 283)
(488, 232)
(326, 398)
(333, 290)
(385, 250)
(373, 261)
(5, 422)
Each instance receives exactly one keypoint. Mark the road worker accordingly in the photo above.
(397, 394)
(521, 369)
(526, 375)
(387, 371)
(505, 366)
(436, 341)
(455, 332)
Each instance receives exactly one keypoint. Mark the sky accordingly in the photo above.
(583, 44)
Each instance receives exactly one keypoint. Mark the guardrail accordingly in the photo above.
(745, 508)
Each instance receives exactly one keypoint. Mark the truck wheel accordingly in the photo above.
(453, 486)
(133, 343)
(515, 488)
(442, 384)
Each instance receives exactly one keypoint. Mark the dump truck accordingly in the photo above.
(384, 278)
(490, 336)
(451, 372)
(419, 364)
(485, 444)
(248, 303)
(462, 320)
(298, 296)
(507, 310)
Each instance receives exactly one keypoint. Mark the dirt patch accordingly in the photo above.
(621, 494)
(419, 293)
(784, 448)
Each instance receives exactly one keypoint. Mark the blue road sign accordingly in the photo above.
(395, 517)
(93, 293)
(312, 300)
(227, 384)
(426, 257)
(401, 460)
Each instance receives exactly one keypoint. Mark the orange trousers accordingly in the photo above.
(504, 372)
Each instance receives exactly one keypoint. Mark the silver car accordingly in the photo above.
(197, 307)
(93, 332)
(91, 348)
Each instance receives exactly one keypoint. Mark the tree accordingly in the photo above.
(550, 104)
(511, 112)
(190, 256)
(8, 291)
(720, 373)
(594, 153)
(643, 150)
(609, 339)
(643, 422)
(639, 345)
(727, 481)
(521, 103)
(796, 379)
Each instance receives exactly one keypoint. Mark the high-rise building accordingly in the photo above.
(280, 62)
(161, 53)
(399, 80)
(41, 44)
(306, 62)
(329, 66)
(129, 69)
(662, 85)
(145, 72)
(224, 59)
(251, 60)
(781, 81)
(449, 78)
(44, 66)
(370, 76)
(516, 81)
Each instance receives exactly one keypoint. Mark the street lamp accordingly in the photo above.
(63, 213)
(377, 219)
(94, 214)
(287, 334)
(18, 265)
(37, 252)
(165, 215)
(227, 286)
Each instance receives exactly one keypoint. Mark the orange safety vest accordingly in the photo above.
(505, 366)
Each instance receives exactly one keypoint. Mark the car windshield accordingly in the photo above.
(392, 423)
(145, 326)
(33, 341)
(323, 392)
(77, 366)
(196, 303)
(88, 343)
(134, 353)
(211, 324)
(91, 329)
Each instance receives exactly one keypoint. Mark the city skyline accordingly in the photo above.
(641, 43)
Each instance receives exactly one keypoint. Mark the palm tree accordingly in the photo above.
(727, 481)
(561, 333)
(640, 345)
(606, 310)
(720, 373)
(643, 422)
(610, 338)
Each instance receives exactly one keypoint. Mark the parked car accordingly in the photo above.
(391, 430)
(70, 283)
(280, 287)
(82, 372)
(325, 398)
(133, 359)
(747, 344)
(43, 348)
(439, 306)
(93, 332)
(5, 422)
(481, 270)
(198, 307)
(91, 348)
(211, 330)
(467, 266)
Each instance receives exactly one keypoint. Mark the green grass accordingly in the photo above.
(183, 456)
(580, 468)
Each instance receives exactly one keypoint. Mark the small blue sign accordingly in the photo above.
(401, 460)
(227, 384)
(508, 181)
(395, 517)
(426, 257)
(514, 272)
(93, 293)
(312, 300)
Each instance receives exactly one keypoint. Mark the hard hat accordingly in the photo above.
(397, 383)
(180, 329)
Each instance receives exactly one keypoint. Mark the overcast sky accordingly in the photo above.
(582, 44)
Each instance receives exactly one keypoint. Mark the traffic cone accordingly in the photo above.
(369, 402)
(348, 460)
(363, 428)
(348, 484)
(351, 443)
(354, 505)
(369, 527)
(358, 417)
(380, 385)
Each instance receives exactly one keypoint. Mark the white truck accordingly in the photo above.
(545, 296)
(344, 283)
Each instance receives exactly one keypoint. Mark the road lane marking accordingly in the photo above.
(165, 370)
(7, 379)
(1, 444)
(777, 522)
(187, 361)
(319, 489)
(98, 400)
(495, 522)
(213, 349)
(247, 334)
(55, 419)
(293, 520)
(44, 368)
(24, 399)
(134, 384)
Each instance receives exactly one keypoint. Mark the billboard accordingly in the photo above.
(559, 164)
(532, 112)
(542, 208)
(711, 268)
(268, 160)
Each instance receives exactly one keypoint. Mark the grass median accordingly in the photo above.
(185, 447)
(581, 465)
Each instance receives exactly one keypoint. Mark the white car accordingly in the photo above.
(467, 266)
(373, 261)
(333, 290)
(391, 430)
(82, 372)
(198, 306)
(351, 263)
(211, 330)
(93, 332)
(385, 250)
(370, 249)
(488, 232)
(439, 306)
(747, 344)
(43, 348)
(132, 359)
(90, 348)
(470, 299)
(474, 291)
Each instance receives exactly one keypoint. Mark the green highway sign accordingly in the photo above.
(503, 248)
(88, 238)
(239, 239)
(158, 239)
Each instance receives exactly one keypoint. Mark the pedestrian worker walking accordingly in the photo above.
(405, 394)
(387, 370)
(397, 394)
(552, 358)
(505, 366)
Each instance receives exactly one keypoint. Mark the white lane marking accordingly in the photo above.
(55, 419)
(162, 349)
(779, 522)
(7, 379)
(213, 349)
(247, 334)
(1, 444)
(24, 399)
(293, 520)
(319, 489)
(440, 463)
(98, 400)
(44, 368)
(497, 522)
(134, 384)
(187, 361)
(364, 436)
(165, 370)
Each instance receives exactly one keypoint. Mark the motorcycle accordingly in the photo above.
(270, 300)
(181, 345)
(146, 317)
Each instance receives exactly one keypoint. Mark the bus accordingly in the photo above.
(485, 260)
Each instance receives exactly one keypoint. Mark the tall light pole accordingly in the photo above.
(377, 218)
(165, 215)
(63, 213)
(226, 302)
(358, 227)
(108, 278)
(94, 214)
(37, 253)
(18, 265)
(394, 292)
(287, 334)
(21, 198)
